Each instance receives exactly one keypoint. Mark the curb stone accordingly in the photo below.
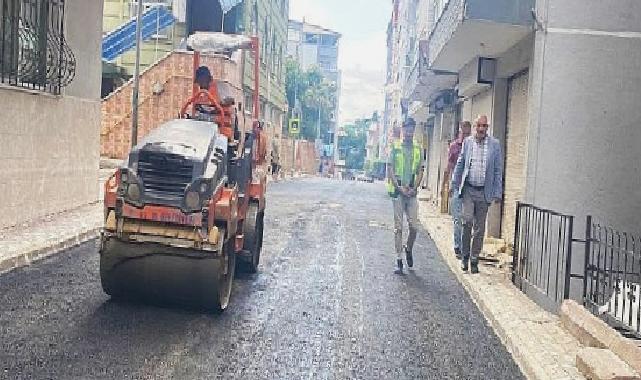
(519, 358)
(27, 258)
(530, 368)
(594, 332)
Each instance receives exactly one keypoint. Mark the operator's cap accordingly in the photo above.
(203, 71)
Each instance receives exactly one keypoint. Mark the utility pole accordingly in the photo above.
(295, 114)
(134, 98)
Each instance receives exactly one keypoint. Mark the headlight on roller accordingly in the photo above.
(192, 200)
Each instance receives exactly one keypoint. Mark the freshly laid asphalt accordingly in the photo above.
(325, 304)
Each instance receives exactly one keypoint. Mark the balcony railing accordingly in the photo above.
(457, 12)
(445, 27)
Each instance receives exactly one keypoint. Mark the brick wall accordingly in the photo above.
(175, 73)
(303, 157)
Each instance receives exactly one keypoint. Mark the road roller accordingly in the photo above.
(186, 208)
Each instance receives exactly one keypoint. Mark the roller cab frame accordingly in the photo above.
(187, 207)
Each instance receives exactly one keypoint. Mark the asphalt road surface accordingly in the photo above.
(324, 305)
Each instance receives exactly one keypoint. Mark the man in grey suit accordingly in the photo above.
(478, 179)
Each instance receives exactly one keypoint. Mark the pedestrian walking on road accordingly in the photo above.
(406, 175)
(456, 203)
(275, 159)
(394, 145)
(478, 180)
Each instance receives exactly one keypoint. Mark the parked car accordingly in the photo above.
(364, 177)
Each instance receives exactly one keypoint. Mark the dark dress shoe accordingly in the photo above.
(399, 269)
(408, 257)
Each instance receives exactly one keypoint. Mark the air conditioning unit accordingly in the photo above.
(486, 70)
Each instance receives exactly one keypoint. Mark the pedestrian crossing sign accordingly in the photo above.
(294, 126)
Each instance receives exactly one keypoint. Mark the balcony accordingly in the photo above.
(429, 83)
(472, 28)
(424, 82)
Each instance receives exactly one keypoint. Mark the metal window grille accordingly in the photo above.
(33, 50)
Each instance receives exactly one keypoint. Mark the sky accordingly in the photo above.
(362, 54)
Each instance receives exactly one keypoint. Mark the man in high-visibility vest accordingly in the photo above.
(406, 176)
(394, 145)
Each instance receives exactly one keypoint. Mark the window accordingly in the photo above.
(33, 50)
(273, 51)
(311, 38)
(254, 20)
(281, 77)
(283, 8)
(329, 40)
(265, 43)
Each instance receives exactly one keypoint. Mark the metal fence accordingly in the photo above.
(610, 272)
(33, 50)
(612, 287)
(542, 256)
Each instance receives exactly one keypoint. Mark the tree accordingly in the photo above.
(352, 146)
(311, 96)
(321, 99)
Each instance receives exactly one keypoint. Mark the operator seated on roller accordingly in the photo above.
(207, 112)
(204, 79)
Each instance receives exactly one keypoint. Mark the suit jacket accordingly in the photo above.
(493, 172)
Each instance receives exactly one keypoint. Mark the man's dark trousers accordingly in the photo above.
(474, 215)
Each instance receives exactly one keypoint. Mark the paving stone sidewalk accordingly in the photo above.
(30, 241)
(540, 345)
(22, 244)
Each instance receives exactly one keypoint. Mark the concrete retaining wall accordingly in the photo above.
(49, 144)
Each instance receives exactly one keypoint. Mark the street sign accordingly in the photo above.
(294, 126)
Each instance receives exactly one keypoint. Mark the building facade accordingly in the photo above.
(50, 119)
(314, 46)
(558, 87)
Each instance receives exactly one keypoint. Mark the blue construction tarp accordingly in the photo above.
(122, 39)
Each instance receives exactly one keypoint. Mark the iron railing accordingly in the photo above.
(33, 51)
(611, 269)
(542, 254)
(612, 287)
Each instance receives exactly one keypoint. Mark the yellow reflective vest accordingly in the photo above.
(398, 159)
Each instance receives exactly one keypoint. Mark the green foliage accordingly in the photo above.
(316, 98)
(352, 147)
